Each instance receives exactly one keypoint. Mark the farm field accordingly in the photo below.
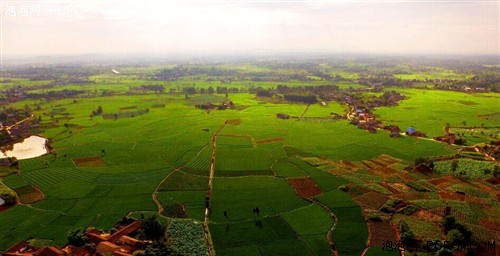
(307, 182)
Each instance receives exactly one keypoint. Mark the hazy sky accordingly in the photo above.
(157, 27)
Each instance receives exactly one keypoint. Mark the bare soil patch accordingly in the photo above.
(439, 181)
(380, 232)
(29, 194)
(413, 196)
(93, 161)
(490, 224)
(372, 200)
(449, 195)
(428, 216)
(305, 187)
(234, 121)
(129, 107)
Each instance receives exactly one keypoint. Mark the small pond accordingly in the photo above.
(30, 147)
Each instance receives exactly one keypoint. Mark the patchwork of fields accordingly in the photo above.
(157, 162)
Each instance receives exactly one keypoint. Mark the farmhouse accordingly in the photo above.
(117, 244)
(414, 133)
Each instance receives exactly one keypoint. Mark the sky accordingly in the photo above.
(43, 27)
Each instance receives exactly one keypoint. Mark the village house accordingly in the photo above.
(414, 133)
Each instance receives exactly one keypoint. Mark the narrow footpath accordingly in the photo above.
(208, 237)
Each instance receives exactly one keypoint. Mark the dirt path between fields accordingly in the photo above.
(303, 113)
(208, 237)
(329, 239)
(157, 189)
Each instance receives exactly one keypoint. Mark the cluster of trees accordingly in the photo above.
(55, 94)
(12, 115)
(309, 99)
(155, 88)
(97, 112)
(221, 106)
(175, 73)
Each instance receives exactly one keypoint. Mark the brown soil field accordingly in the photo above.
(305, 187)
(234, 121)
(490, 224)
(380, 232)
(94, 161)
(413, 196)
(372, 200)
(130, 107)
(477, 200)
(428, 216)
(29, 194)
(439, 181)
(449, 195)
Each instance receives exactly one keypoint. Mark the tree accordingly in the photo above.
(456, 237)
(496, 172)
(406, 233)
(158, 249)
(153, 230)
(448, 222)
(77, 238)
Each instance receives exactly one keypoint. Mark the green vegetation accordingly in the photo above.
(143, 142)
(466, 168)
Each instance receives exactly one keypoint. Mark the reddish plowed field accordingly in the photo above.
(304, 187)
(372, 200)
(445, 194)
(94, 161)
(380, 231)
(490, 224)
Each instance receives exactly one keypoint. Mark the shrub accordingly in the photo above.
(77, 238)
(152, 229)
